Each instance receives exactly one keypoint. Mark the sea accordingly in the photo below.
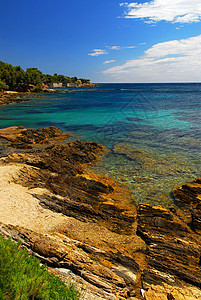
(153, 131)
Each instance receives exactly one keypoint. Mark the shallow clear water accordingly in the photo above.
(153, 131)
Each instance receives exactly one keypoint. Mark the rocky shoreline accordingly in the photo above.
(85, 227)
(9, 97)
(14, 97)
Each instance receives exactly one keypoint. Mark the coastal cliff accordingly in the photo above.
(85, 227)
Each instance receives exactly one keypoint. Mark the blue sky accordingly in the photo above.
(104, 40)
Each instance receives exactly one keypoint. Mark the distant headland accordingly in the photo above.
(14, 78)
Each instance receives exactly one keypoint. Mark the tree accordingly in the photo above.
(15, 78)
(3, 86)
(84, 80)
(34, 76)
(74, 79)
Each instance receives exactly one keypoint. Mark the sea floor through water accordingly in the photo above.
(151, 166)
(152, 131)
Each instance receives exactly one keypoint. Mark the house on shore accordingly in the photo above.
(56, 84)
(69, 84)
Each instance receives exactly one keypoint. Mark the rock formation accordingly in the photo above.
(13, 97)
(173, 251)
(189, 194)
(85, 227)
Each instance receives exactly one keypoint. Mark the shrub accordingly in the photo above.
(3, 85)
(22, 277)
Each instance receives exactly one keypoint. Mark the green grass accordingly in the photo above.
(22, 277)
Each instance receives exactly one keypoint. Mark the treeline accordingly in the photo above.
(14, 78)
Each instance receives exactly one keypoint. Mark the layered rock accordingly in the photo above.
(96, 241)
(100, 239)
(173, 250)
(167, 292)
(189, 194)
(59, 251)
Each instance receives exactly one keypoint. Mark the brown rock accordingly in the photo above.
(22, 138)
(13, 97)
(57, 252)
(11, 133)
(173, 250)
(190, 194)
(98, 242)
(41, 135)
(167, 292)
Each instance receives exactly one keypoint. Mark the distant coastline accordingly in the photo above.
(14, 78)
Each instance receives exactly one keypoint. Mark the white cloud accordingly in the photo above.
(181, 11)
(129, 47)
(120, 47)
(109, 61)
(97, 52)
(114, 47)
(176, 60)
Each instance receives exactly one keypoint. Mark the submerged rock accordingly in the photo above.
(14, 97)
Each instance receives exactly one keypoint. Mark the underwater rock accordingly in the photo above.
(13, 97)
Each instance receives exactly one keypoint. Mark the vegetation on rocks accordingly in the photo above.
(22, 276)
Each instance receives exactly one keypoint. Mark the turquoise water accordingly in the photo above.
(152, 130)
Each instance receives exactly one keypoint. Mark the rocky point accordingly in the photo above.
(85, 227)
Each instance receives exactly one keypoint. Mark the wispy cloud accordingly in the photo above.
(175, 11)
(97, 52)
(109, 61)
(114, 47)
(129, 47)
(120, 47)
(176, 60)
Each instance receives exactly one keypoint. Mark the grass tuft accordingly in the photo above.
(22, 277)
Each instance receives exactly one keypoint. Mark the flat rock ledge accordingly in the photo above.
(84, 227)
(9, 97)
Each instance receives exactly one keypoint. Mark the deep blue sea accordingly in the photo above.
(152, 130)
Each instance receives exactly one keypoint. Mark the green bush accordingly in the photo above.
(22, 277)
(3, 85)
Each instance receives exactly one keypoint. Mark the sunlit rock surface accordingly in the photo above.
(86, 227)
